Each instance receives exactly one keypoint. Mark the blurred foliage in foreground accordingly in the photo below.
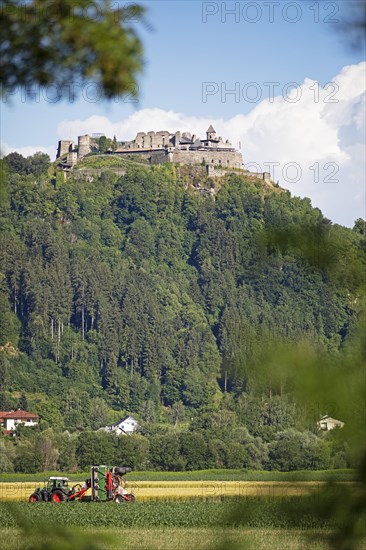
(68, 44)
(41, 534)
(322, 380)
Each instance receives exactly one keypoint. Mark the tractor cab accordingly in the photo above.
(54, 483)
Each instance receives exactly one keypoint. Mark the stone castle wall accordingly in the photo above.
(265, 176)
(226, 159)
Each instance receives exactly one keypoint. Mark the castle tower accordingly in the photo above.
(64, 147)
(177, 138)
(211, 134)
(83, 146)
(140, 140)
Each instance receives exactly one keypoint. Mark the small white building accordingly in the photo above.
(327, 423)
(11, 419)
(127, 426)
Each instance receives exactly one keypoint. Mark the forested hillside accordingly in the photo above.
(138, 294)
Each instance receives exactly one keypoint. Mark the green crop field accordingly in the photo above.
(202, 475)
(188, 538)
(183, 539)
(252, 512)
(165, 525)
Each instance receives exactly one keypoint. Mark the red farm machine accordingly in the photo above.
(106, 483)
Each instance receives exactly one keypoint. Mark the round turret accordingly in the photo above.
(83, 146)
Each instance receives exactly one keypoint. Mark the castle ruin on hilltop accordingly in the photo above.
(161, 147)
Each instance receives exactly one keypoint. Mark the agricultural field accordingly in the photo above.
(284, 512)
(187, 538)
(204, 484)
(165, 525)
(182, 490)
(252, 512)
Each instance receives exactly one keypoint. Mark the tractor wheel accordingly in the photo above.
(58, 496)
(35, 497)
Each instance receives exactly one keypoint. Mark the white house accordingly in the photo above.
(127, 426)
(327, 423)
(11, 419)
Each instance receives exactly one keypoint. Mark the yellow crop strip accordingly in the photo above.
(179, 490)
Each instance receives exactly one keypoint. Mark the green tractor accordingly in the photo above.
(55, 489)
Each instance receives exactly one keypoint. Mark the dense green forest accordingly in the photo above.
(138, 294)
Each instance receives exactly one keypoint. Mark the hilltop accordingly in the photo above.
(216, 155)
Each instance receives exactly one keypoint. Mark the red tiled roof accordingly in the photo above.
(24, 415)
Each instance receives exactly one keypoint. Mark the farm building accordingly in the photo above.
(127, 426)
(327, 423)
(11, 419)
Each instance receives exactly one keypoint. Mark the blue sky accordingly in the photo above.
(190, 44)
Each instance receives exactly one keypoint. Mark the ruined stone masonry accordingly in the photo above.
(216, 155)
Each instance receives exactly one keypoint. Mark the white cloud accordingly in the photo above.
(140, 121)
(324, 132)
